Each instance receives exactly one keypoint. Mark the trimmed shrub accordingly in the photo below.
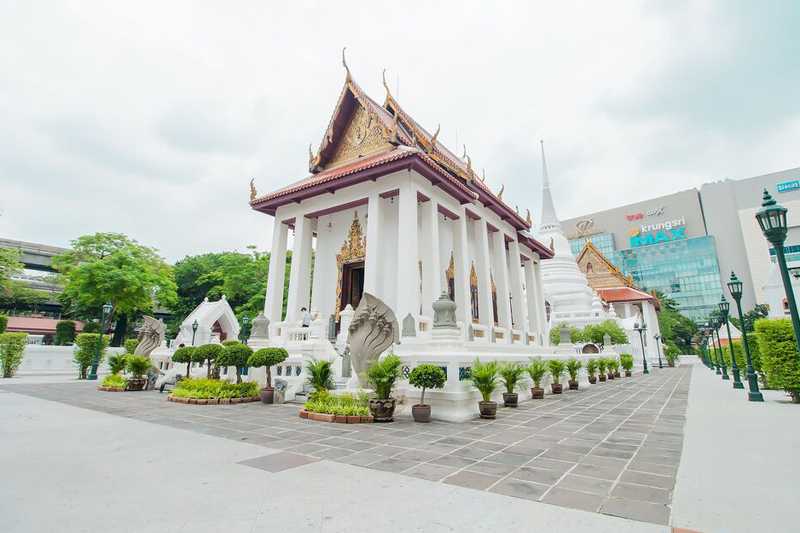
(12, 348)
(184, 355)
(484, 378)
(234, 354)
(114, 381)
(626, 361)
(214, 388)
(207, 354)
(320, 374)
(596, 332)
(88, 345)
(267, 357)
(130, 346)
(3, 323)
(776, 345)
(575, 334)
(382, 374)
(65, 333)
(91, 327)
(428, 376)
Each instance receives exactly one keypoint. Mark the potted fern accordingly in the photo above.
(510, 374)
(573, 367)
(614, 364)
(536, 370)
(610, 367)
(425, 376)
(602, 365)
(137, 366)
(591, 370)
(484, 378)
(381, 375)
(626, 360)
(556, 368)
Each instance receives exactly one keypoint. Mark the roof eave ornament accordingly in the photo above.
(528, 217)
(253, 192)
(501, 191)
(344, 64)
(313, 161)
(386, 86)
(433, 139)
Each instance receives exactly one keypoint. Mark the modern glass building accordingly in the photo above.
(684, 270)
(602, 241)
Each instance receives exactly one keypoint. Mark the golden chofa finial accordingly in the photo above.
(344, 63)
(433, 139)
(483, 175)
(528, 218)
(469, 163)
(253, 192)
(464, 155)
(386, 85)
(501, 191)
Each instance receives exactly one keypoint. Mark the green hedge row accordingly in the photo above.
(214, 388)
(778, 355)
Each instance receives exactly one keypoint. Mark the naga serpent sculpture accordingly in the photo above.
(373, 329)
(151, 335)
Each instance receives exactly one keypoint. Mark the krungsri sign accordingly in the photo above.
(669, 230)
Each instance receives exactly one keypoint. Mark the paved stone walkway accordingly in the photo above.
(612, 448)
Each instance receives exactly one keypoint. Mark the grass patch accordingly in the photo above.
(342, 404)
(114, 381)
(202, 388)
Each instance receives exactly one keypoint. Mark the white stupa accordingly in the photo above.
(565, 286)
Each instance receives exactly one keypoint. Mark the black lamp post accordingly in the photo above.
(753, 394)
(243, 331)
(658, 349)
(772, 219)
(724, 309)
(194, 330)
(106, 310)
(724, 366)
(642, 329)
(715, 324)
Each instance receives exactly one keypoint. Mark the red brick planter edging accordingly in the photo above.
(325, 417)
(213, 401)
(110, 389)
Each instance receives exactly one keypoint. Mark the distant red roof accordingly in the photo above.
(624, 294)
(36, 325)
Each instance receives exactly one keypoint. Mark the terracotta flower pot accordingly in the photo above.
(382, 410)
(487, 409)
(421, 413)
(556, 388)
(268, 395)
(573, 385)
(592, 379)
(537, 393)
(628, 373)
(602, 377)
(617, 374)
(510, 399)
(610, 375)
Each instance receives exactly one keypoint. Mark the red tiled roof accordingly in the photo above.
(36, 325)
(623, 294)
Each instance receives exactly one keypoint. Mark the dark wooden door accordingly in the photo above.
(352, 284)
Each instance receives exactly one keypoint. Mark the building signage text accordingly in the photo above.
(786, 186)
(669, 230)
(655, 212)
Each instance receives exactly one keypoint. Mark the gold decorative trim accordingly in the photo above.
(353, 250)
(473, 276)
(450, 273)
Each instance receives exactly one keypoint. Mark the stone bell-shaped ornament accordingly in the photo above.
(444, 312)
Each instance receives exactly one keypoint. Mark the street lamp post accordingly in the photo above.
(721, 354)
(642, 329)
(243, 331)
(712, 324)
(753, 393)
(195, 325)
(658, 349)
(772, 220)
(106, 310)
(724, 309)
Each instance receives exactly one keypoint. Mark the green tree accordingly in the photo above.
(12, 348)
(65, 333)
(750, 317)
(10, 265)
(676, 329)
(596, 333)
(111, 268)
(236, 355)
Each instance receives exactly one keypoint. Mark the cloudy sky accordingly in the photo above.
(150, 118)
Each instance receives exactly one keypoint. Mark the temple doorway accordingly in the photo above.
(352, 284)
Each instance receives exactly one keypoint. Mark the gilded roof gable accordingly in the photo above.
(600, 272)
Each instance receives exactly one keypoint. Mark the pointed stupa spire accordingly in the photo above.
(549, 219)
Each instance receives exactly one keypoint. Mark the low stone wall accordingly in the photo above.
(55, 360)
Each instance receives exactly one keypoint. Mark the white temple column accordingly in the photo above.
(500, 270)
(432, 273)
(483, 269)
(544, 334)
(531, 300)
(518, 308)
(372, 260)
(299, 281)
(407, 250)
(461, 265)
(273, 305)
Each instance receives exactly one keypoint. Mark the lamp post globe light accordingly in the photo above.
(194, 330)
(658, 349)
(724, 309)
(753, 393)
(642, 329)
(772, 220)
(105, 311)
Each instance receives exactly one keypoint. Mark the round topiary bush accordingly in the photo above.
(267, 357)
(184, 355)
(427, 376)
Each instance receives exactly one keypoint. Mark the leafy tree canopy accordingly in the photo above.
(677, 330)
(110, 267)
(750, 317)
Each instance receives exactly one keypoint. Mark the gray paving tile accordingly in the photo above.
(430, 472)
(509, 458)
(418, 456)
(551, 464)
(653, 468)
(585, 484)
(573, 499)
(472, 453)
(636, 510)
(392, 465)
(453, 460)
(538, 475)
(601, 472)
(520, 489)
(360, 458)
(651, 480)
(494, 469)
(278, 462)
(472, 480)
(629, 491)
